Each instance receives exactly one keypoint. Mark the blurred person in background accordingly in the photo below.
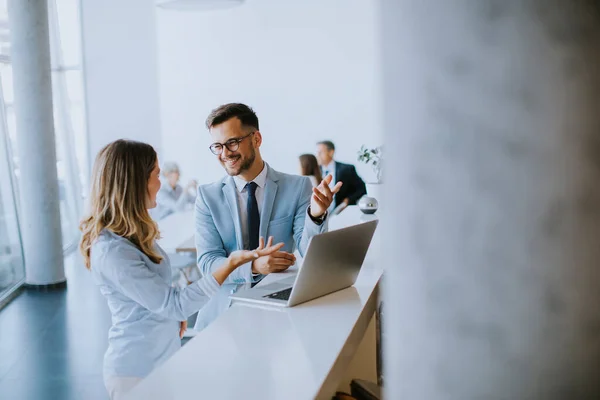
(309, 166)
(354, 187)
(172, 197)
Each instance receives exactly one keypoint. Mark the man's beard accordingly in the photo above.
(244, 166)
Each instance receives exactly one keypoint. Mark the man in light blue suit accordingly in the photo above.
(253, 201)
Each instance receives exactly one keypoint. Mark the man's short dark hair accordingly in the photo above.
(224, 113)
(328, 143)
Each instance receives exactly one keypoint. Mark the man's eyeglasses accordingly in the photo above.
(231, 144)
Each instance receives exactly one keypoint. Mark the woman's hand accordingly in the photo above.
(182, 329)
(241, 257)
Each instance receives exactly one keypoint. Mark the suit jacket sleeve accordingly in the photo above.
(359, 188)
(304, 227)
(209, 246)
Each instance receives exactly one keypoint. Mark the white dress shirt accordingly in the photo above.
(330, 169)
(242, 194)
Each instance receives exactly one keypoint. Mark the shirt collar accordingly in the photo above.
(330, 167)
(260, 180)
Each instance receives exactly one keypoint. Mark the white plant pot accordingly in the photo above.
(374, 190)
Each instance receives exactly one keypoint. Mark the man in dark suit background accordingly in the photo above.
(353, 187)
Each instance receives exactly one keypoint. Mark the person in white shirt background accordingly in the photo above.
(172, 197)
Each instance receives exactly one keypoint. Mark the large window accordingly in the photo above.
(68, 104)
(12, 267)
(69, 121)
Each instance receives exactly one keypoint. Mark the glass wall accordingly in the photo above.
(12, 266)
(71, 140)
(69, 120)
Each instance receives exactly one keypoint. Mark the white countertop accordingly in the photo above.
(264, 353)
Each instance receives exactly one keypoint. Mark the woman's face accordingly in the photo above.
(153, 186)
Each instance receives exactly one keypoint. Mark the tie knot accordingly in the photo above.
(251, 186)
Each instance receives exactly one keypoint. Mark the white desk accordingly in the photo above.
(262, 353)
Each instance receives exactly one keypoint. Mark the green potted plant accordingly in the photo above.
(374, 157)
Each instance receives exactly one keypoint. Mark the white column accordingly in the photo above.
(492, 121)
(38, 185)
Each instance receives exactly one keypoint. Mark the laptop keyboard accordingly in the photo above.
(281, 295)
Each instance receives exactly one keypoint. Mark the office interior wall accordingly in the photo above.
(120, 72)
(310, 69)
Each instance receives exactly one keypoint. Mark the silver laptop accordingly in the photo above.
(332, 262)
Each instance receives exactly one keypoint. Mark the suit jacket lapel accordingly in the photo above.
(268, 201)
(231, 198)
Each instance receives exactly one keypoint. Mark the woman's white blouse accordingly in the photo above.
(146, 310)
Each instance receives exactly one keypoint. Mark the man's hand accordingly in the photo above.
(275, 262)
(322, 197)
(241, 257)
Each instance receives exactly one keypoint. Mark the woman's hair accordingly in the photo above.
(119, 191)
(310, 166)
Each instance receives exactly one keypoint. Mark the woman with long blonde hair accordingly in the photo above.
(134, 274)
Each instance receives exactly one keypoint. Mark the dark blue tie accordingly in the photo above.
(253, 216)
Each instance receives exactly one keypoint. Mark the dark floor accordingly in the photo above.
(52, 344)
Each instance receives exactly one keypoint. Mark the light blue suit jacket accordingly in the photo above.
(218, 229)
